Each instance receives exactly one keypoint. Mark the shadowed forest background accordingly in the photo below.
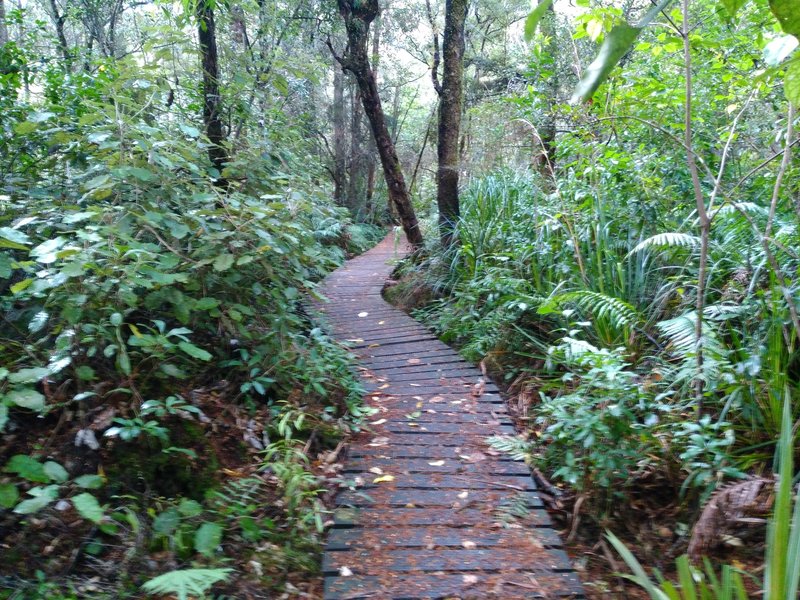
(604, 202)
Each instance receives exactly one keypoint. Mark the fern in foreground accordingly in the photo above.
(186, 583)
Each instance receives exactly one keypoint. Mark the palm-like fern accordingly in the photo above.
(618, 312)
(186, 583)
(670, 239)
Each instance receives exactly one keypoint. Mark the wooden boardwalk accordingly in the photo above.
(433, 512)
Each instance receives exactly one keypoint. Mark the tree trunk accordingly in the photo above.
(545, 160)
(63, 46)
(355, 184)
(450, 119)
(357, 15)
(371, 163)
(212, 117)
(339, 137)
(3, 28)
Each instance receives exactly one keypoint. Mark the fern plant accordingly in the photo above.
(186, 583)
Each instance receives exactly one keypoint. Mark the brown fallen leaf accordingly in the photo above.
(414, 361)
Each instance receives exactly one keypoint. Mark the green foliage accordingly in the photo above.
(186, 583)
(597, 435)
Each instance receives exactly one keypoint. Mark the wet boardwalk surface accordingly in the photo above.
(431, 511)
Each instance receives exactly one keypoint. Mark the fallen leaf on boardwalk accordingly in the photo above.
(381, 322)
(363, 314)
(383, 479)
(456, 401)
(471, 579)
(431, 411)
(356, 340)
(478, 388)
(376, 470)
(463, 494)
(437, 399)
(345, 572)
(379, 441)
(414, 415)
(474, 457)
(384, 386)
(374, 346)
(468, 544)
(378, 422)
(419, 404)
(436, 463)
(414, 361)
(414, 385)
(413, 424)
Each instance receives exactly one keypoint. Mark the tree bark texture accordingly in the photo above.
(357, 15)
(450, 103)
(212, 101)
(339, 137)
(371, 163)
(357, 164)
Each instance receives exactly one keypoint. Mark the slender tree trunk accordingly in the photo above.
(357, 15)
(702, 213)
(450, 103)
(3, 28)
(339, 136)
(545, 158)
(371, 162)
(212, 102)
(355, 184)
(59, 20)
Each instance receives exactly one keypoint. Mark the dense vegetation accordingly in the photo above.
(626, 265)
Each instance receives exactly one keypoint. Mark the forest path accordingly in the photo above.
(436, 514)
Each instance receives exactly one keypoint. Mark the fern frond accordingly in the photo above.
(186, 582)
(618, 312)
(669, 239)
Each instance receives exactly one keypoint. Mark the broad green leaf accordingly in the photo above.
(535, 17)
(615, 45)
(55, 471)
(194, 351)
(189, 508)
(618, 41)
(88, 507)
(791, 82)
(8, 495)
(89, 482)
(41, 498)
(25, 128)
(788, 14)
(206, 539)
(38, 321)
(732, 6)
(40, 117)
(21, 285)
(27, 468)
(29, 375)
(166, 522)
(223, 262)
(27, 398)
(11, 238)
(779, 48)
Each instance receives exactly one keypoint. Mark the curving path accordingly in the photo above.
(432, 511)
